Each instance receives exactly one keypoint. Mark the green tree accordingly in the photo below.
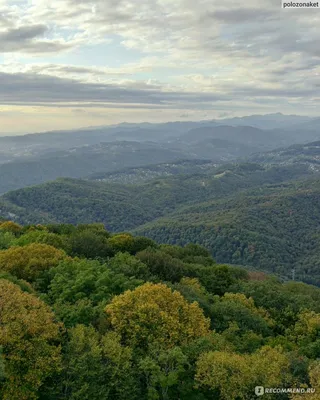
(162, 372)
(129, 266)
(89, 244)
(162, 265)
(314, 378)
(79, 289)
(122, 242)
(305, 334)
(97, 367)
(6, 239)
(44, 237)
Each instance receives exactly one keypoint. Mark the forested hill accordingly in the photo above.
(90, 315)
(247, 214)
(275, 228)
(307, 154)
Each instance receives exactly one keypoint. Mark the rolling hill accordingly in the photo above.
(83, 161)
(250, 214)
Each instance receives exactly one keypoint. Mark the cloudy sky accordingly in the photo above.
(72, 63)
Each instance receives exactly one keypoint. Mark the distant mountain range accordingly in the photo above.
(32, 145)
(33, 159)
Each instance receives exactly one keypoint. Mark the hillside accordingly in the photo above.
(245, 214)
(83, 161)
(72, 200)
(274, 228)
(307, 154)
(149, 172)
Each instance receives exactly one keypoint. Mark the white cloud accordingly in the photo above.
(207, 52)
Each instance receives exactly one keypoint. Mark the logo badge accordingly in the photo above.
(259, 390)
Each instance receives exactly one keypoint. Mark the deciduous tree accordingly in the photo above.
(153, 313)
(28, 337)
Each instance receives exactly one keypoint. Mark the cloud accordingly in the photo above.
(26, 39)
(23, 33)
(230, 55)
(240, 15)
(27, 88)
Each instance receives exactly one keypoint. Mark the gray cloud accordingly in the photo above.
(33, 88)
(23, 33)
(239, 15)
(26, 39)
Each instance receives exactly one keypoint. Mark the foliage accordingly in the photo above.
(6, 239)
(144, 321)
(153, 313)
(314, 377)
(163, 370)
(232, 376)
(30, 261)
(40, 236)
(96, 366)
(79, 288)
(28, 337)
(89, 244)
(9, 226)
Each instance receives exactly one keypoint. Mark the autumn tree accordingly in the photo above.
(30, 261)
(153, 313)
(10, 226)
(233, 376)
(28, 337)
(121, 242)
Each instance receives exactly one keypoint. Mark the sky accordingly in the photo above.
(72, 63)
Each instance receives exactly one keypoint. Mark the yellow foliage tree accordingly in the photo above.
(9, 226)
(194, 284)
(240, 298)
(28, 336)
(121, 242)
(233, 376)
(153, 313)
(307, 326)
(29, 261)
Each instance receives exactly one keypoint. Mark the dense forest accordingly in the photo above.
(275, 229)
(244, 214)
(86, 314)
